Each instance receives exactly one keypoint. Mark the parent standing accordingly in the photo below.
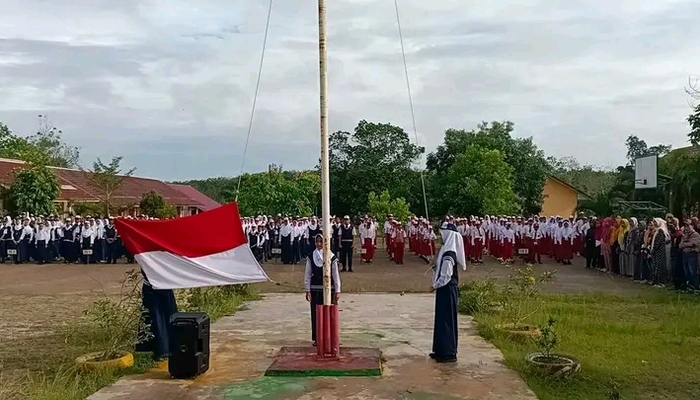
(445, 283)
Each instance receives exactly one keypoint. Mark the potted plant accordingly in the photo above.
(119, 324)
(548, 363)
(520, 299)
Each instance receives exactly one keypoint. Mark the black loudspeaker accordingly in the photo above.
(189, 345)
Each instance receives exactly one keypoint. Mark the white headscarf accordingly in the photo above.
(660, 227)
(452, 241)
(318, 256)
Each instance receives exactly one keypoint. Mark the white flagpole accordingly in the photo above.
(325, 176)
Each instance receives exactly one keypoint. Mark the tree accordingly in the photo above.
(154, 205)
(527, 161)
(221, 189)
(480, 182)
(383, 205)
(106, 179)
(694, 122)
(587, 178)
(373, 158)
(45, 147)
(33, 190)
(693, 90)
(637, 148)
(278, 191)
(47, 140)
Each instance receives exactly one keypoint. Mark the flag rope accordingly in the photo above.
(257, 91)
(412, 108)
(255, 97)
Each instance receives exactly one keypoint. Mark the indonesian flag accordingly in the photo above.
(207, 249)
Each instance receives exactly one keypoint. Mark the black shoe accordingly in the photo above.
(313, 343)
(432, 355)
(446, 360)
(350, 270)
(343, 270)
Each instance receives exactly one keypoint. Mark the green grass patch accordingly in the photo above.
(637, 347)
(51, 374)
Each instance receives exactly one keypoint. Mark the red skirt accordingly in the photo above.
(368, 247)
(507, 252)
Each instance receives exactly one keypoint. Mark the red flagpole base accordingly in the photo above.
(327, 332)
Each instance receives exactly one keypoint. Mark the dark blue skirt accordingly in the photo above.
(446, 326)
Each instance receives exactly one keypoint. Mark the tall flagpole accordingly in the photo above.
(325, 175)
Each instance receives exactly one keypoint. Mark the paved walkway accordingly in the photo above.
(243, 346)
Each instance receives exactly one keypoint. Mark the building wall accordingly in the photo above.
(558, 199)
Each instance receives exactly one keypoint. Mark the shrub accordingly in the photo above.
(521, 297)
(119, 322)
(478, 296)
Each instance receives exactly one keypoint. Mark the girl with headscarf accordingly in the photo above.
(614, 267)
(657, 253)
(566, 238)
(690, 245)
(313, 281)
(605, 247)
(637, 242)
(592, 245)
(622, 233)
(676, 255)
(646, 249)
(629, 240)
(445, 283)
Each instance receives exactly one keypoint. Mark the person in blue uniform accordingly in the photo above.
(313, 281)
(445, 283)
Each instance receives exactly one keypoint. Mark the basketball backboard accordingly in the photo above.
(646, 174)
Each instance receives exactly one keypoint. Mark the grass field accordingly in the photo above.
(639, 347)
(42, 368)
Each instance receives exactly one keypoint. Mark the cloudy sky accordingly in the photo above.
(169, 84)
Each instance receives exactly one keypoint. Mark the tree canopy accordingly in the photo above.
(33, 191)
(44, 147)
(154, 205)
(528, 163)
(382, 205)
(485, 170)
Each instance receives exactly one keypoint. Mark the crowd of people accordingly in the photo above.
(73, 240)
(658, 251)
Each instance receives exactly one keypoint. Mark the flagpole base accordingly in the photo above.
(327, 332)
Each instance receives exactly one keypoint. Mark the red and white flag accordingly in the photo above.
(207, 249)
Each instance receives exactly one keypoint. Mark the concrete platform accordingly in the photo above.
(244, 346)
(302, 361)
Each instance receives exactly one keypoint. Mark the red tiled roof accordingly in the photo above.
(76, 186)
(194, 194)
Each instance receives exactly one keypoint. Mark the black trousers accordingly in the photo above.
(592, 254)
(295, 251)
(41, 251)
(346, 255)
(317, 300)
(159, 306)
(111, 251)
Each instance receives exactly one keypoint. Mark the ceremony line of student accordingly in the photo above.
(49, 239)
